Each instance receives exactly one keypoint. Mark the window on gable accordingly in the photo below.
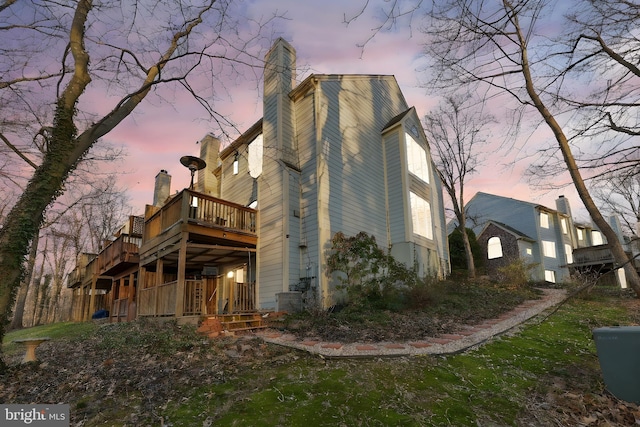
(494, 248)
(549, 249)
(417, 159)
(544, 220)
(421, 216)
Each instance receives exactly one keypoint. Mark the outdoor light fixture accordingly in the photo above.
(193, 164)
(230, 274)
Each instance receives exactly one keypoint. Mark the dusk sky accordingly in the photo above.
(159, 133)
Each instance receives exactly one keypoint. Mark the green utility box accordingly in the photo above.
(619, 355)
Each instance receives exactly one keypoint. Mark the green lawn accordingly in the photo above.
(492, 385)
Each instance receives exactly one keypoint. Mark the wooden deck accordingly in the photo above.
(190, 233)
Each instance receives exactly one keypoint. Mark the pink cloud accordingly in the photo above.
(161, 131)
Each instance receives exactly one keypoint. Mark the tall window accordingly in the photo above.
(580, 234)
(563, 223)
(417, 159)
(568, 251)
(255, 156)
(549, 249)
(544, 220)
(494, 248)
(235, 164)
(421, 216)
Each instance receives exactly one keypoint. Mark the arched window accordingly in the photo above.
(494, 248)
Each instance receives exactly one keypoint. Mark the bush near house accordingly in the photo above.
(515, 275)
(372, 278)
(386, 300)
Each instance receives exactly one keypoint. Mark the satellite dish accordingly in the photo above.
(193, 164)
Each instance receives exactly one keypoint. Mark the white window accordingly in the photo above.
(240, 275)
(494, 248)
(549, 249)
(255, 156)
(596, 238)
(417, 159)
(544, 220)
(580, 234)
(421, 216)
(235, 164)
(550, 276)
(529, 251)
(563, 223)
(568, 251)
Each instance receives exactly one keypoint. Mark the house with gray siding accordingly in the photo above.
(333, 153)
(547, 239)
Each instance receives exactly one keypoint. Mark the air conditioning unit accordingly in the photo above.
(210, 270)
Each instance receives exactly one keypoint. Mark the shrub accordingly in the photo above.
(457, 253)
(515, 275)
(373, 278)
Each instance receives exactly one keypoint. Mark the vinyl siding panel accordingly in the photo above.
(293, 239)
(395, 194)
(307, 154)
(236, 188)
(270, 242)
(353, 113)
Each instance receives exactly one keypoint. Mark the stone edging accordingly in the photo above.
(470, 336)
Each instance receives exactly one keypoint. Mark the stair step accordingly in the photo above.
(216, 325)
(248, 329)
(235, 322)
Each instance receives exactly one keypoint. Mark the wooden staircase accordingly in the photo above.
(230, 324)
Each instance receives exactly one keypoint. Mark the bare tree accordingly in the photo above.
(56, 55)
(457, 131)
(619, 194)
(502, 44)
(519, 48)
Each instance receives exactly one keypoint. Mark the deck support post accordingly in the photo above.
(182, 265)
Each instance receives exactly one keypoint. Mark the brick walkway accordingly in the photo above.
(467, 337)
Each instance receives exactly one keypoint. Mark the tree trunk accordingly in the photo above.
(461, 216)
(471, 266)
(18, 313)
(614, 244)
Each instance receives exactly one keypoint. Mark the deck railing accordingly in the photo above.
(158, 301)
(193, 297)
(119, 309)
(592, 255)
(245, 297)
(201, 208)
(161, 300)
(120, 250)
